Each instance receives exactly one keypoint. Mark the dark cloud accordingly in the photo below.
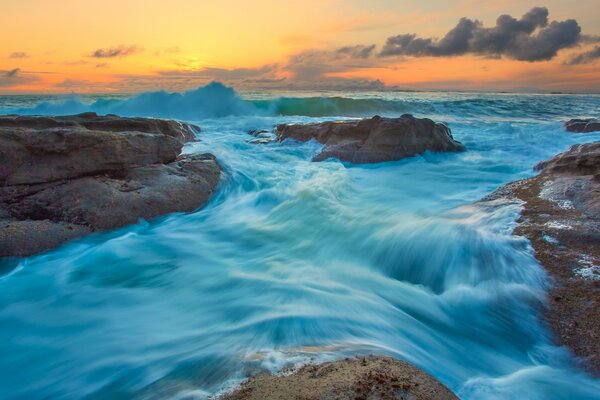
(355, 51)
(15, 77)
(19, 54)
(530, 38)
(587, 57)
(13, 73)
(113, 52)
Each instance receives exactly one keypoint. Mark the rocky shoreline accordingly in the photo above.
(358, 378)
(65, 177)
(561, 219)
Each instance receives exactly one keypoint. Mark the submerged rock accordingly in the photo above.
(583, 125)
(262, 136)
(61, 178)
(374, 140)
(350, 379)
(561, 218)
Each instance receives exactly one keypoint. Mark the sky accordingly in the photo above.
(127, 46)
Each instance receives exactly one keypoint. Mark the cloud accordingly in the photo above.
(113, 52)
(14, 77)
(530, 38)
(13, 73)
(587, 57)
(223, 74)
(355, 51)
(19, 54)
(312, 64)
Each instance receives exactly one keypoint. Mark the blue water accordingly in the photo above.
(294, 261)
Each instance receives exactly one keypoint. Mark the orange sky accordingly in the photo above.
(133, 45)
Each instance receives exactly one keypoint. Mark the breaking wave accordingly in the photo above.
(216, 100)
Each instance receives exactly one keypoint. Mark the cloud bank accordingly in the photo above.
(530, 38)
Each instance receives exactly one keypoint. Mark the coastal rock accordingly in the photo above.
(583, 125)
(374, 140)
(60, 183)
(183, 132)
(365, 378)
(43, 149)
(561, 218)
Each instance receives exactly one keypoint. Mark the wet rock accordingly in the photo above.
(183, 132)
(374, 140)
(583, 125)
(350, 379)
(62, 182)
(561, 218)
(262, 136)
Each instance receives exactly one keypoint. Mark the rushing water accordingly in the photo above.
(294, 261)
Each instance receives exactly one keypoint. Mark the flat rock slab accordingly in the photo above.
(183, 132)
(583, 125)
(374, 140)
(65, 177)
(379, 378)
(44, 149)
(561, 218)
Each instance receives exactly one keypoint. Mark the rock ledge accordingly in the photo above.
(66, 177)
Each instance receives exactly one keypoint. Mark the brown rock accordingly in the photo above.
(374, 140)
(29, 156)
(561, 218)
(109, 123)
(61, 180)
(583, 125)
(43, 149)
(365, 378)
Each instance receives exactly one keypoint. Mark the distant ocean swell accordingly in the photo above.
(216, 100)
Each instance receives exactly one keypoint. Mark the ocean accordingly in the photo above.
(294, 261)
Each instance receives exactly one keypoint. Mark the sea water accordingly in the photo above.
(293, 261)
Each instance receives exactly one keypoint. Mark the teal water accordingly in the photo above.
(294, 261)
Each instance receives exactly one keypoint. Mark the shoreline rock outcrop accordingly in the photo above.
(561, 218)
(359, 378)
(374, 140)
(65, 177)
(583, 125)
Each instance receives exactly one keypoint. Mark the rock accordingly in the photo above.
(583, 125)
(561, 218)
(42, 149)
(59, 183)
(262, 136)
(350, 379)
(374, 140)
(29, 156)
(183, 132)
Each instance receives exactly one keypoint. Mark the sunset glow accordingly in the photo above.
(134, 45)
